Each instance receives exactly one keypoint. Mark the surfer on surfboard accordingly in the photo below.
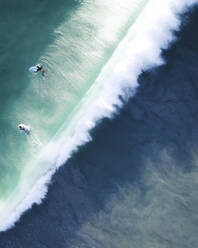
(37, 68)
(24, 128)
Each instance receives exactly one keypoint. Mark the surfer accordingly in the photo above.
(37, 68)
(24, 128)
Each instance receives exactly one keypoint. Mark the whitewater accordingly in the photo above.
(149, 31)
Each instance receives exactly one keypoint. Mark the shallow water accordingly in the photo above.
(135, 184)
(72, 40)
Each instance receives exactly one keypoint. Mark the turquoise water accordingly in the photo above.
(92, 52)
(134, 184)
(73, 40)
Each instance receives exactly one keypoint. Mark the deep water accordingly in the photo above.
(135, 184)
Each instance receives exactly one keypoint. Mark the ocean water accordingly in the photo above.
(73, 40)
(134, 183)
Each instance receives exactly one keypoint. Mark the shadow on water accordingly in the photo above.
(163, 115)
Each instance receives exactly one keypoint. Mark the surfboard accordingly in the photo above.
(33, 69)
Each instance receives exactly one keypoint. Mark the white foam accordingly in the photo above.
(140, 50)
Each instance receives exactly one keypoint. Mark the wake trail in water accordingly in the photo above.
(139, 51)
(34, 141)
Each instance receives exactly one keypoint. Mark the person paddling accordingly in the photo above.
(37, 68)
(25, 128)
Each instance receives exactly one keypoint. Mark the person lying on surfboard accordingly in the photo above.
(24, 128)
(37, 68)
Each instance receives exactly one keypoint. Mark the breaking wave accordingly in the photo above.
(140, 50)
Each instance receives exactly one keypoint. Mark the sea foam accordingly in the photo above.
(140, 50)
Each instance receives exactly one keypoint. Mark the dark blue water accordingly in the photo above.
(135, 184)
